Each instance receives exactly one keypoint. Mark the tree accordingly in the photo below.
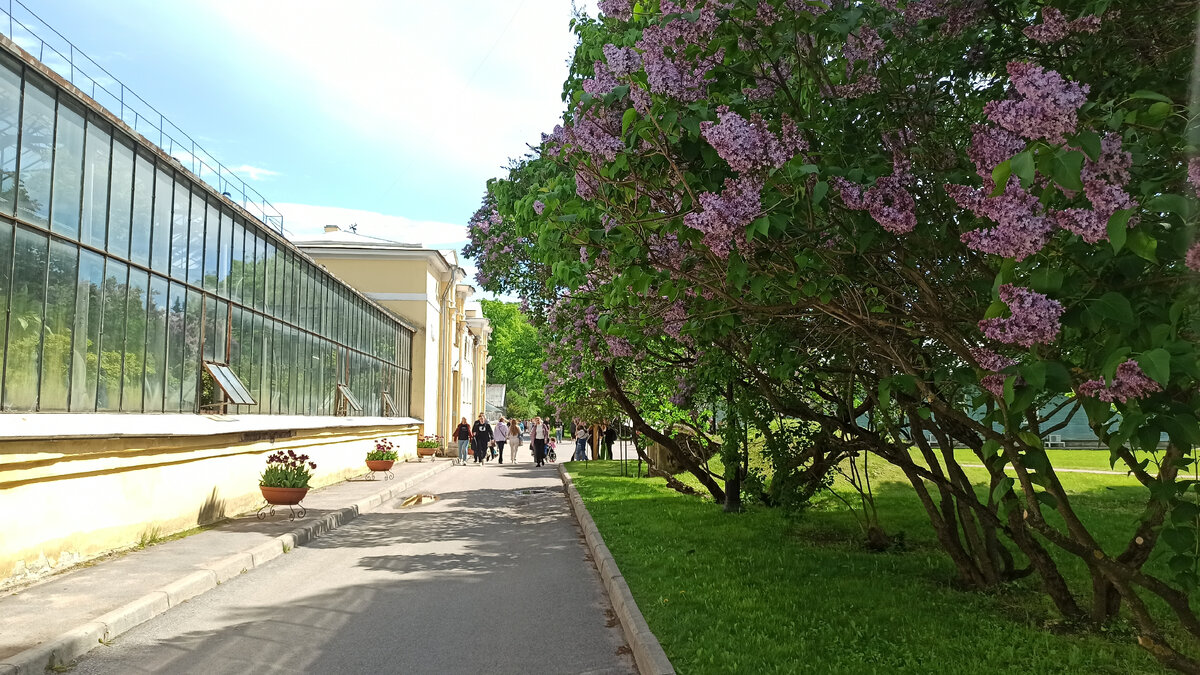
(918, 226)
(516, 356)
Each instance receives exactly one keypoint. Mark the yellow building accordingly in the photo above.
(421, 285)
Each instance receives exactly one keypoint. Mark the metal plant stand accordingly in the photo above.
(387, 475)
(269, 510)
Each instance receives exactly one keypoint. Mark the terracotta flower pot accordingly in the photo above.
(380, 464)
(281, 496)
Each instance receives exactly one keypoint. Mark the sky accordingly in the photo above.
(391, 114)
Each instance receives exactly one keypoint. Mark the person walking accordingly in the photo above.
(501, 436)
(609, 434)
(481, 435)
(538, 434)
(514, 433)
(581, 441)
(463, 435)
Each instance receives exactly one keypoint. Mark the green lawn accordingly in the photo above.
(762, 592)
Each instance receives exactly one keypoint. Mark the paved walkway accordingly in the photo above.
(30, 615)
(492, 578)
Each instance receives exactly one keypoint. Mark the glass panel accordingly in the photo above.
(237, 270)
(112, 337)
(95, 184)
(37, 150)
(160, 240)
(10, 118)
(266, 260)
(179, 233)
(61, 284)
(143, 211)
(212, 248)
(68, 172)
(26, 313)
(195, 252)
(191, 350)
(120, 203)
(220, 331)
(136, 328)
(156, 345)
(6, 261)
(85, 358)
(176, 334)
(224, 266)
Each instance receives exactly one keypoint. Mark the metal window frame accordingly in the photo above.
(217, 371)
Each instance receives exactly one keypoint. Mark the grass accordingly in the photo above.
(765, 592)
(1091, 460)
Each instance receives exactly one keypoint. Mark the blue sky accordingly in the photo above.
(391, 114)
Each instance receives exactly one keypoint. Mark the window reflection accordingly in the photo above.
(68, 172)
(37, 150)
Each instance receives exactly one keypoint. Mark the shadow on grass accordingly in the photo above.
(750, 593)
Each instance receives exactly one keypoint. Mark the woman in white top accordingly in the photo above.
(501, 437)
(581, 439)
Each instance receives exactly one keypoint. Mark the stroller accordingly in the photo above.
(550, 456)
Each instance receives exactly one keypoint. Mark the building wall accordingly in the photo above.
(78, 497)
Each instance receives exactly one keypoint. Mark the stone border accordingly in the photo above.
(78, 641)
(648, 654)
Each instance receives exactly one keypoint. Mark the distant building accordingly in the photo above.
(495, 400)
(420, 285)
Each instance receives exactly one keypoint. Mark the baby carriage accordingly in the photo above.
(550, 456)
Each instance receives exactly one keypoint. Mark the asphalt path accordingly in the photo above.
(491, 578)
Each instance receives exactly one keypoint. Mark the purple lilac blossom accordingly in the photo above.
(1055, 27)
(1194, 174)
(1112, 165)
(668, 70)
(602, 82)
(1035, 318)
(1044, 105)
(865, 84)
(617, 9)
(862, 47)
(723, 217)
(596, 131)
(1129, 382)
(990, 360)
(618, 347)
(622, 61)
(1020, 231)
(1192, 260)
(586, 185)
(748, 145)
(888, 202)
(994, 384)
(538, 207)
(990, 146)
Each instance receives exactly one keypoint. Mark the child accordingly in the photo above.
(550, 449)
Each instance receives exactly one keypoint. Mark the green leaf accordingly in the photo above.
(995, 309)
(819, 191)
(1047, 280)
(990, 448)
(1118, 228)
(1002, 487)
(1000, 176)
(1149, 95)
(1143, 245)
(1022, 165)
(1035, 374)
(1177, 204)
(627, 119)
(1066, 168)
(1157, 364)
(1115, 307)
(1090, 142)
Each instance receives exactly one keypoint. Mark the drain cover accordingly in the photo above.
(417, 500)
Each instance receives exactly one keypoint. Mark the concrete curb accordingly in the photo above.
(67, 647)
(648, 654)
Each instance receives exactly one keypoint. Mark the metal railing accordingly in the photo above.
(37, 37)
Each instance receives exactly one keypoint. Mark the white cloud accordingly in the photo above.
(465, 84)
(253, 172)
(301, 220)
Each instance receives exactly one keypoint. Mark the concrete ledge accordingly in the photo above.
(72, 644)
(648, 654)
